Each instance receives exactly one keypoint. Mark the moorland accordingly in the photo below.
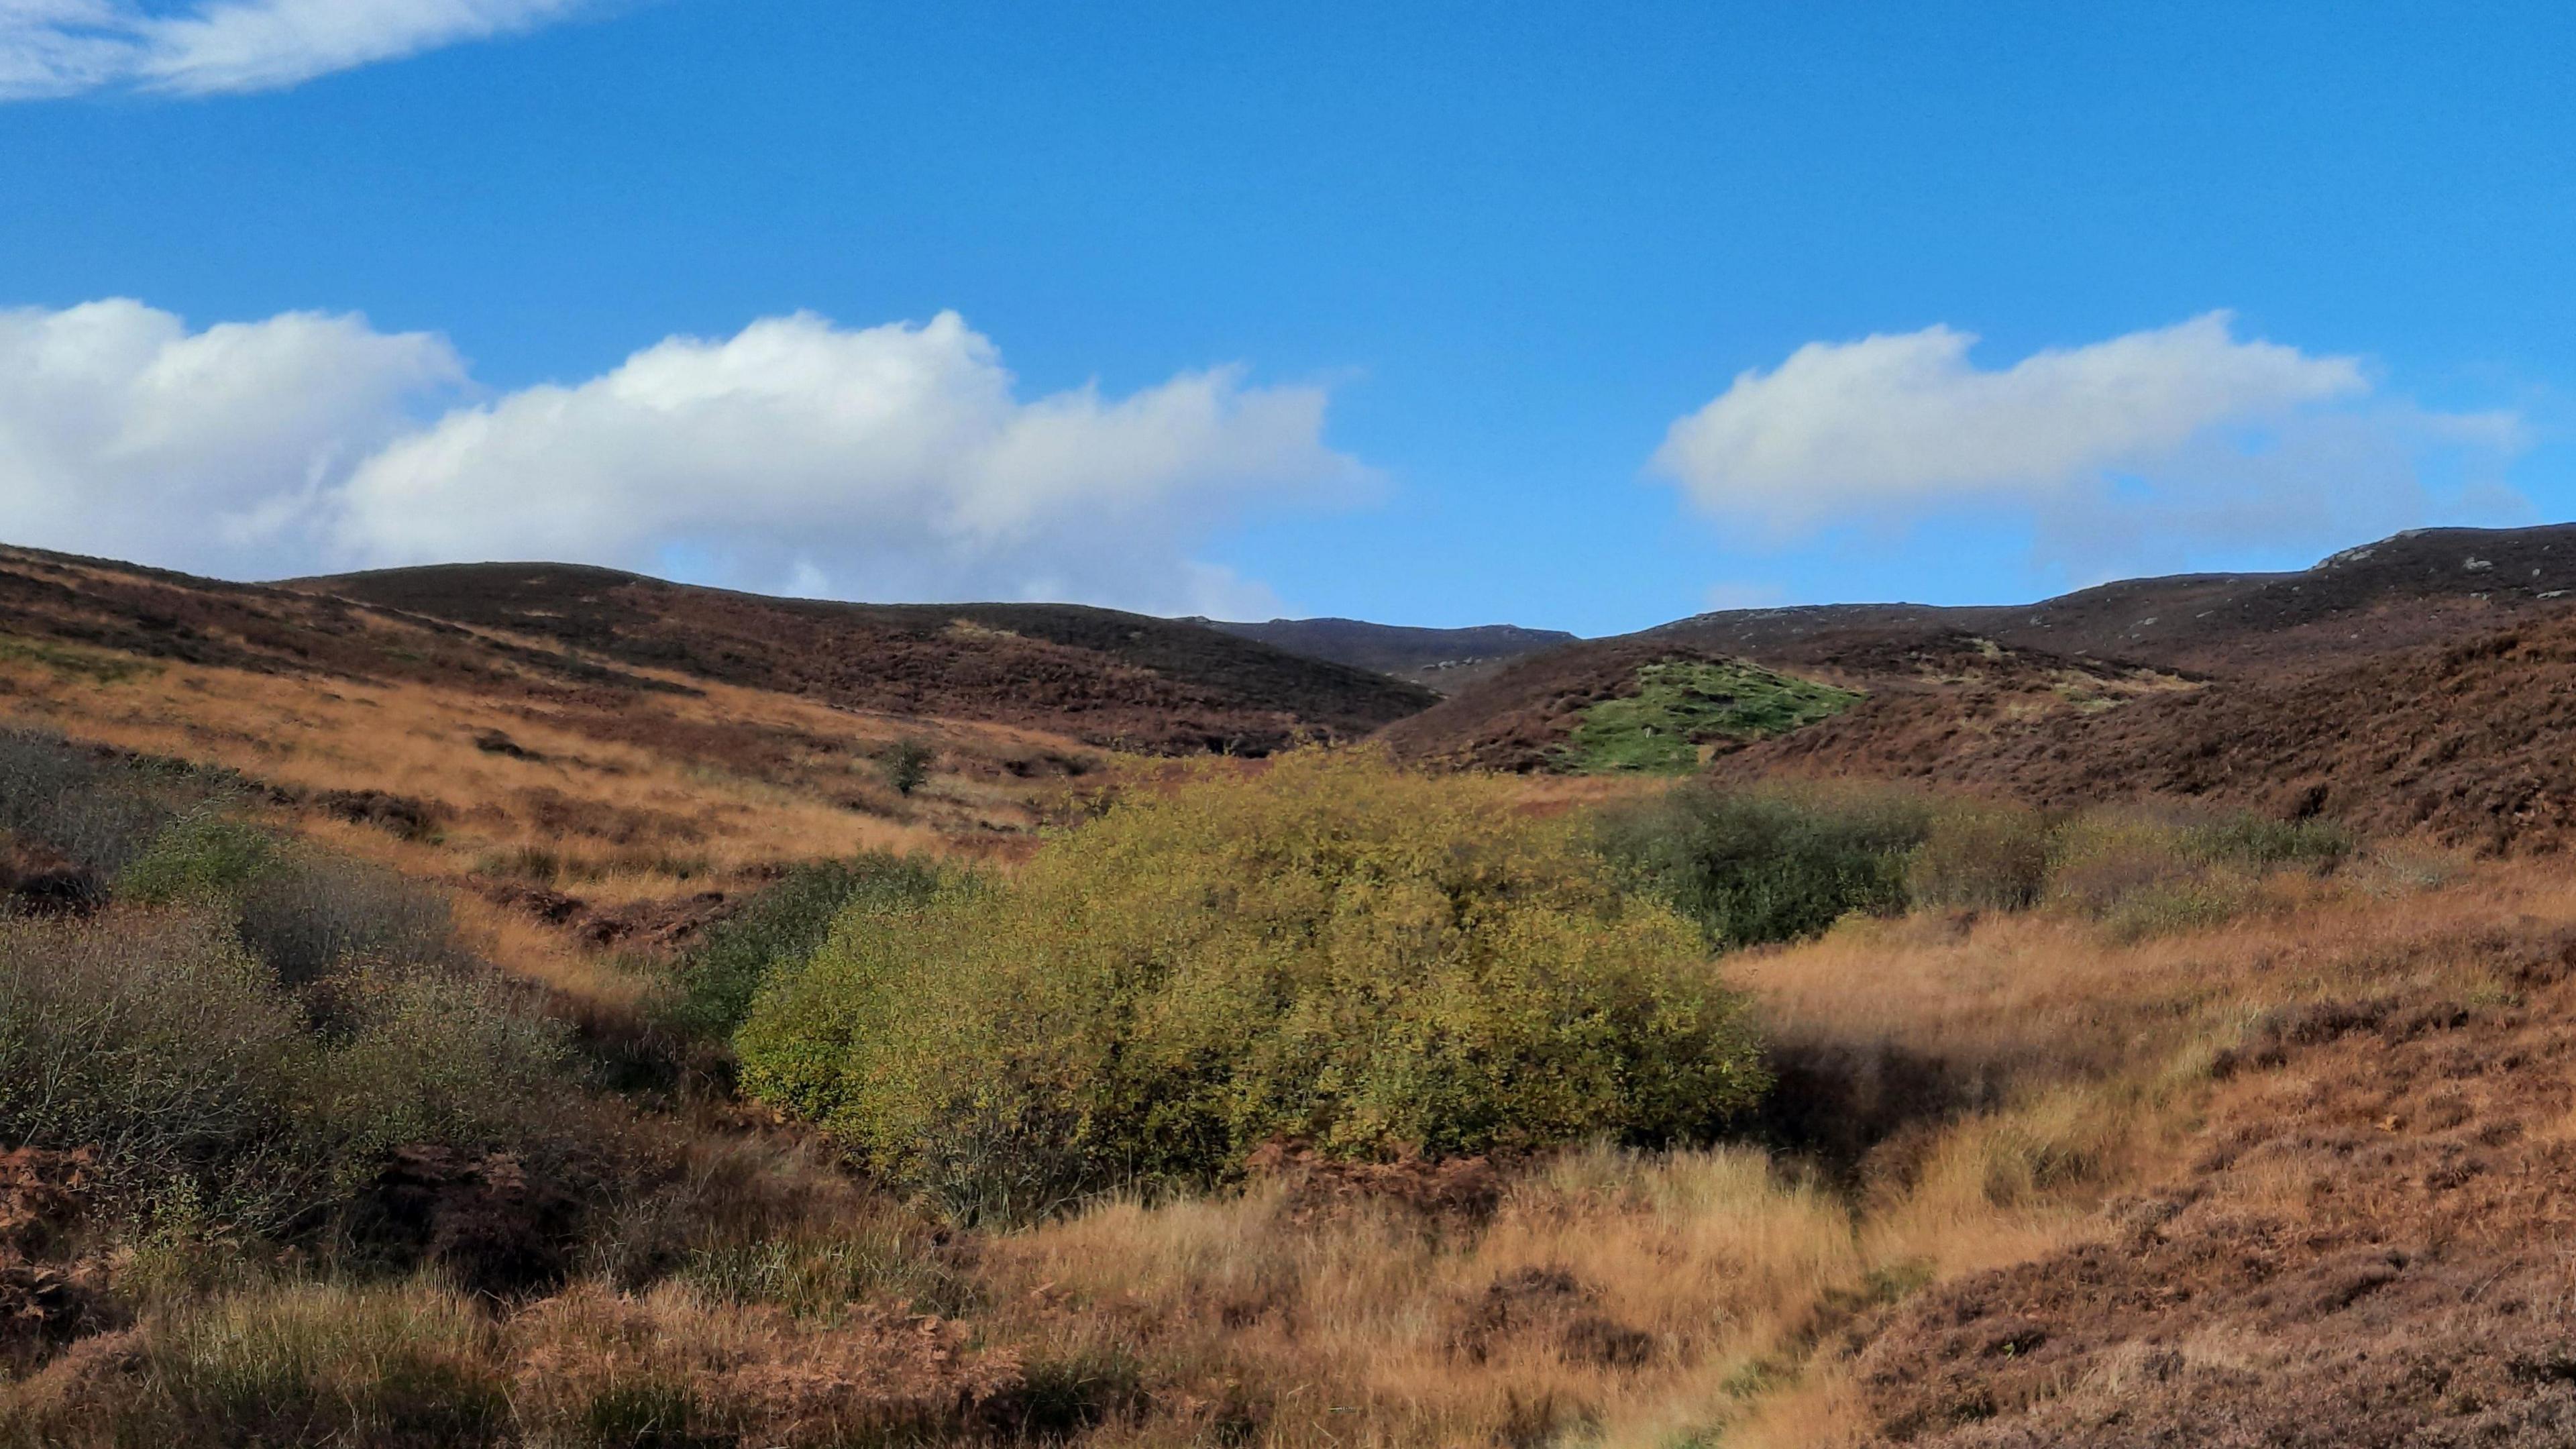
(528, 1004)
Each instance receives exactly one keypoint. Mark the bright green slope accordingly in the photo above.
(1681, 704)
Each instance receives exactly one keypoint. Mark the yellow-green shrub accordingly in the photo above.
(1328, 950)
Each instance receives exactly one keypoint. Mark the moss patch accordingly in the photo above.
(1680, 705)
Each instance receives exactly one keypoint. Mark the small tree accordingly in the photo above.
(907, 764)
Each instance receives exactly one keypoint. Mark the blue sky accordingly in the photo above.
(1426, 313)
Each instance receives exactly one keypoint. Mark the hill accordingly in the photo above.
(2419, 587)
(1126, 680)
(2097, 691)
(2464, 741)
(1443, 659)
(531, 732)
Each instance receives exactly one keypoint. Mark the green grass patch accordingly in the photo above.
(68, 662)
(1682, 704)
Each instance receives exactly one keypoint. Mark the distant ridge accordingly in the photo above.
(2117, 688)
(1443, 659)
(1125, 681)
(1128, 680)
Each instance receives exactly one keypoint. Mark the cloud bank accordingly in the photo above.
(2133, 453)
(894, 462)
(65, 47)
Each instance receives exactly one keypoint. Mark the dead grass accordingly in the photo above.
(726, 780)
(631, 800)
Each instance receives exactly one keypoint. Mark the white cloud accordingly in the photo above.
(123, 433)
(64, 47)
(2129, 453)
(894, 462)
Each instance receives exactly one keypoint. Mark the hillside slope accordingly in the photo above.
(2418, 587)
(456, 752)
(1124, 680)
(2466, 741)
(1443, 659)
(2101, 685)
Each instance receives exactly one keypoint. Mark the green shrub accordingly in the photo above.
(2262, 843)
(98, 814)
(1760, 865)
(2141, 872)
(2192, 903)
(1981, 856)
(906, 764)
(451, 1060)
(1327, 950)
(782, 926)
(160, 1041)
(314, 914)
(202, 854)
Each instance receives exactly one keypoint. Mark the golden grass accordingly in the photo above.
(650, 804)
(639, 816)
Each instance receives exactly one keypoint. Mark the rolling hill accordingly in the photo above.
(1443, 659)
(1156, 685)
(2420, 682)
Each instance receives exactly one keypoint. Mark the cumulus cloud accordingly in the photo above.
(124, 433)
(894, 462)
(2127, 453)
(64, 47)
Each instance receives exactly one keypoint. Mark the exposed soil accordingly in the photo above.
(649, 926)
(49, 1293)
(1547, 1306)
(486, 1221)
(1455, 1190)
(35, 881)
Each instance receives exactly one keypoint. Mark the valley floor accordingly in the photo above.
(2296, 1179)
(2296, 1173)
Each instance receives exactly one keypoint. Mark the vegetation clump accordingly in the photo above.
(1328, 950)
(906, 765)
(1755, 865)
(1681, 704)
(783, 925)
(1752, 866)
(249, 1029)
